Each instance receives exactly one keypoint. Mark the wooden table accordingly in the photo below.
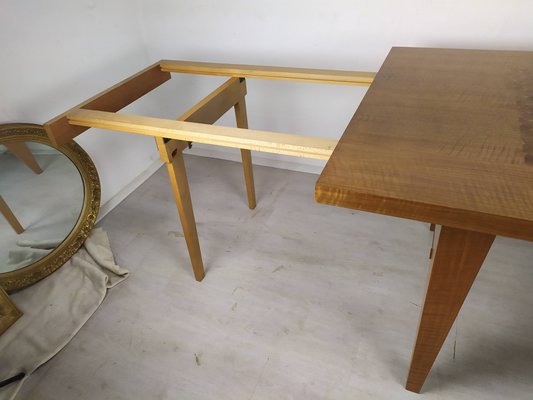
(446, 137)
(442, 136)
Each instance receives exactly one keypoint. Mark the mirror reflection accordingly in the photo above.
(41, 198)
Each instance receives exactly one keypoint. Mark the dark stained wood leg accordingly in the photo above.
(21, 151)
(246, 155)
(455, 263)
(180, 187)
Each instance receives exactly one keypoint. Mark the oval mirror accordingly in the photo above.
(49, 200)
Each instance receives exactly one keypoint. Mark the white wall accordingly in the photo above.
(57, 53)
(336, 34)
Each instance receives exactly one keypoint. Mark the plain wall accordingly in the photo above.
(58, 53)
(337, 34)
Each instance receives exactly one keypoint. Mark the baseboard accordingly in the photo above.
(281, 162)
(302, 165)
(128, 189)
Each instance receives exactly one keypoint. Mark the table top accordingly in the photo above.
(442, 136)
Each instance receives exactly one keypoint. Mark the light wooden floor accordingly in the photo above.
(274, 319)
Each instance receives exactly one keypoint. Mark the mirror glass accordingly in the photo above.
(41, 199)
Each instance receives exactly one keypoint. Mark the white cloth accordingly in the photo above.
(40, 244)
(56, 308)
(20, 258)
(30, 251)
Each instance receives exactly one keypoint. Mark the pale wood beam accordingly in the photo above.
(280, 73)
(270, 142)
(217, 103)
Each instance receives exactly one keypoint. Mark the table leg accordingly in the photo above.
(456, 260)
(180, 187)
(10, 217)
(21, 151)
(246, 155)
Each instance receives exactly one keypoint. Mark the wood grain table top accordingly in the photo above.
(442, 136)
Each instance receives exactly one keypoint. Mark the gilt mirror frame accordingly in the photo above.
(17, 132)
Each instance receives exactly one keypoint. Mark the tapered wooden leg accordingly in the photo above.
(10, 217)
(455, 263)
(246, 155)
(21, 151)
(180, 187)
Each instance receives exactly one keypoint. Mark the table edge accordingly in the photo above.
(430, 213)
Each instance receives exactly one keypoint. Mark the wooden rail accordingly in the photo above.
(112, 99)
(120, 95)
(279, 143)
(279, 73)
(212, 107)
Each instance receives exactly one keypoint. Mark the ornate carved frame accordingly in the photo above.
(10, 281)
